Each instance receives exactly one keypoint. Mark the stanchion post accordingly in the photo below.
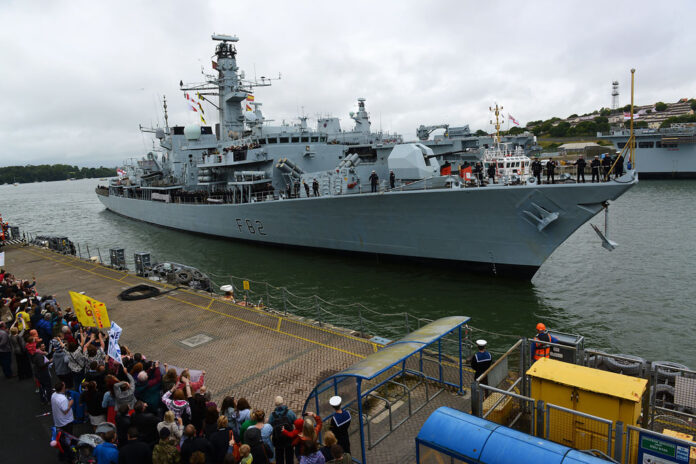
(79, 252)
(285, 305)
(618, 441)
(100, 258)
(316, 303)
(408, 329)
(540, 416)
(89, 255)
(360, 320)
(268, 298)
(475, 396)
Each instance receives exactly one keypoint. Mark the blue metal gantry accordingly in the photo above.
(420, 355)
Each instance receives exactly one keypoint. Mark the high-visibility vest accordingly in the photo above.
(542, 351)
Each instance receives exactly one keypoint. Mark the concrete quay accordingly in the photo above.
(245, 352)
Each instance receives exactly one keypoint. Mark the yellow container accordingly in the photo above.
(611, 396)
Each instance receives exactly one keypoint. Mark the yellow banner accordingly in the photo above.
(90, 312)
(246, 284)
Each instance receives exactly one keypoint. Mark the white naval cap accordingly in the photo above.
(481, 342)
(335, 401)
(226, 288)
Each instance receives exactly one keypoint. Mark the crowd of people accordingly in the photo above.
(142, 410)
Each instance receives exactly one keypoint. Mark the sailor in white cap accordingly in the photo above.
(481, 360)
(340, 423)
(229, 292)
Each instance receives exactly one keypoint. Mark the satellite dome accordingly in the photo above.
(159, 133)
(192, 132)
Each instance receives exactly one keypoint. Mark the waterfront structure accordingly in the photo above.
(661, 153)
(293, 185)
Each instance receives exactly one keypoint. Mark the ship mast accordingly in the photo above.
(231, 95)
(496, 111)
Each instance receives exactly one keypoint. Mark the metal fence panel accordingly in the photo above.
(578, 430)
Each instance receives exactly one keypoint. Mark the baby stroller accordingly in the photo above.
(85, 448)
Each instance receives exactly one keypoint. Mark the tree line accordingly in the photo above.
(49, 172)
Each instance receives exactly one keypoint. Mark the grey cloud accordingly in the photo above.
(80, 76)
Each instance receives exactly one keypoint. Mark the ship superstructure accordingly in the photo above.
(355, 191)
(661, 153)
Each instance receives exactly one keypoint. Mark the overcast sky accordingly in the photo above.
(78, 77)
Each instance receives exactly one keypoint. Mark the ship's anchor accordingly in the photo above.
(543, 218)
(606, 243)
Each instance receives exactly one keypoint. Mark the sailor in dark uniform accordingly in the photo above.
(481, 360)
(392, 179)
(491, 172)
(595, 168)
(478, 172)
(550, 172)
(306, 188)
(606, 166)
(340, 423)
(619, 169)
(536, 170)
(315, 187)
(296, 188)
(581, 163)
(374, 181)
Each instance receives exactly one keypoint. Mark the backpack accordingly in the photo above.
(280, 422)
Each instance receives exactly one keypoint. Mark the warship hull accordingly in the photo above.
(494, 229)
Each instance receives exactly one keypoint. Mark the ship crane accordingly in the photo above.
(423, 132)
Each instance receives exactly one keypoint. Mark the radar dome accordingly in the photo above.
(192, 132)
(159, 133)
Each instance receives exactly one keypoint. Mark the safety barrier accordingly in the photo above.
(577, 429)
(506, 408)
(672, 398)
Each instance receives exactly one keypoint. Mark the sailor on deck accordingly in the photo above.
(392, 179)
(595, 168)
(542, 350)
(374, 181)
(536, 169)
(550, 172)
(581, 163)
(491, 172)
(481, 360)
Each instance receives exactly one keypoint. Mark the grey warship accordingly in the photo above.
(297, 186)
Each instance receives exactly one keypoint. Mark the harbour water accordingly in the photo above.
(637, 299)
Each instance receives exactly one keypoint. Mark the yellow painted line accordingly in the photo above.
(247, 308)
(350, 337)
(280, 321)
(223, 314)
(269, 328)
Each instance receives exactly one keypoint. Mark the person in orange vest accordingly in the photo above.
(542, 350)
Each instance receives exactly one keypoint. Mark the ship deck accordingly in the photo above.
(245, 352)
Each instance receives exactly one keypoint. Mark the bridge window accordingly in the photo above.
(304, 139)
(645, 144)
(284, 140)
(295, 140)
(272, 140)
(621, 144)
(315, 139)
